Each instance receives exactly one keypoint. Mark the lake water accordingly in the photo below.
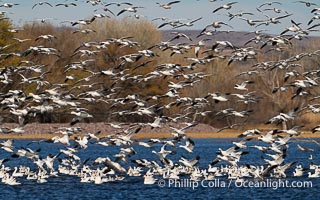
(69, 187)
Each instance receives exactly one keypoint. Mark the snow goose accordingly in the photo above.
(307, 3)
(84, 31)
(189, 146)
(46, 37)
(56, 139)
(69, 152)
(41, 3)
(189, 163)
(217, 97)
(135, 171)
(66, 4)
(243, 85)
(7, 146)
(269, 3)
(283, 140)
(17, 173)
(82, 142)
(148, 178)
(163, 152)
(314, 175)
(129, 9)
(316, 17)
(226, 6)
(79, 116)
(294, 131)
(305, 149)
(114, 165)
(298, 171)
(250, 132)
(8, 5)
(167, 5)
(26, 152)
(268, 137)
(275, 162)
(9, 180)
(242, 143)
(118, 4)
(280, 170)
(315, 129)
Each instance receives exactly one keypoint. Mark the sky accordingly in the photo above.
(186, 9)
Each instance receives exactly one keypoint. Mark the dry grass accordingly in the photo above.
(224, 134)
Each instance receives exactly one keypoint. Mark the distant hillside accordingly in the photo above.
(236, 38)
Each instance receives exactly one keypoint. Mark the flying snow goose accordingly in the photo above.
(167, 5)
(41, 3)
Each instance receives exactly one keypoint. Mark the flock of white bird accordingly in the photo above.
(65, 96)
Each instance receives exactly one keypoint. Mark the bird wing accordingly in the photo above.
(48, 4)
(172, 2)
(217, 9)
(196, 20)
(34, 5)
(283, 16)
(122, 11)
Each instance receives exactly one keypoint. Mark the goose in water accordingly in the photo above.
(316, 174)
(298, 171)
(135, 171)
(16, 173)
(148, 178)
(10, 180)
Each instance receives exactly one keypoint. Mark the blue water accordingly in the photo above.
(69, 187)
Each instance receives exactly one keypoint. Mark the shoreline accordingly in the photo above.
(39, 131)
(208, 135)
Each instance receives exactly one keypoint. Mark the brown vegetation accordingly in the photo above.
(144, 35)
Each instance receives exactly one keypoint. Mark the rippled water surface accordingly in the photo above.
(69, 187)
